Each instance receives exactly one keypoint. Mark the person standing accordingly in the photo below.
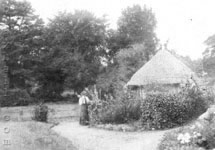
(84, 102)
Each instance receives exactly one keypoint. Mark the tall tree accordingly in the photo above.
(75, 45)
(20, 39)
(130, 46)
(137, 25)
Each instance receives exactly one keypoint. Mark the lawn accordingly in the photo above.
(32, 135)
(25, 134)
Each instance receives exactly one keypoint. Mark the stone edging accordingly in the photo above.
(114, 127)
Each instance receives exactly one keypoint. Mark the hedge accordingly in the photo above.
(156, 111)
(167, 110)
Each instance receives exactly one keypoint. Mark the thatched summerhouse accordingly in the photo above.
(163, 70)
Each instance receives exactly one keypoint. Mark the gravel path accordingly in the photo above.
(85, 138)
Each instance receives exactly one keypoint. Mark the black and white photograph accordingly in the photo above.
(107, 75)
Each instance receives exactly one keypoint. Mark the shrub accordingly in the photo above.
(165, 110)
(16, 97)
(121, 110)
(157, 110)
(40, 113)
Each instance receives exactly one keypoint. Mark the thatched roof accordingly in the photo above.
(163, 68)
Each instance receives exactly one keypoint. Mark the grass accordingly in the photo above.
(32, 135)
(26, 134)
(56, 111)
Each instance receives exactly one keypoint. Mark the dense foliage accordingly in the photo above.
(40, 113)
(3, 75)
(129, 47)
(112, 79)
(121, 110)
(137, 25)
(208, 56)
(64, 54)
(16, 97)
(167, 110)
(158, 110)
(73, 49)
(76, 45)
(20, 39)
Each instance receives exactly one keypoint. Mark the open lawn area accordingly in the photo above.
(31, 135)
(25, 134)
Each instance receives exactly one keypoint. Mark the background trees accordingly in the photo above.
(209, 56)
(20, 39)
(69, 52)
(137, 25)
(130, 46)
(66, 53)
(114, 77)
(75, 45)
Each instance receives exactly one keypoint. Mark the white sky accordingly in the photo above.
(185, 23)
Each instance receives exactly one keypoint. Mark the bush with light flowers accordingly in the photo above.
(200, 135)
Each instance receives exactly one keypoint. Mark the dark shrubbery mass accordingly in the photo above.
(40, 113)
(16, 97)
(121, 110)
(158, 111)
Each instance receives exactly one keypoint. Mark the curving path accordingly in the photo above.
(85, 138)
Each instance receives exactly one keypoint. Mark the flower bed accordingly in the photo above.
(198, 136)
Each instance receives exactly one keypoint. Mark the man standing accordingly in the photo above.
(84, 102)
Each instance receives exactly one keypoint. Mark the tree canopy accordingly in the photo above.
(75, 45)
(136, 26)
(20, 39)
(130, 46)
(69, 51)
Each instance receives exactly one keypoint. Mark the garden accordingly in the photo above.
(159, 111)
(45, 66)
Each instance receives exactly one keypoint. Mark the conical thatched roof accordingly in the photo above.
(163, 68)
